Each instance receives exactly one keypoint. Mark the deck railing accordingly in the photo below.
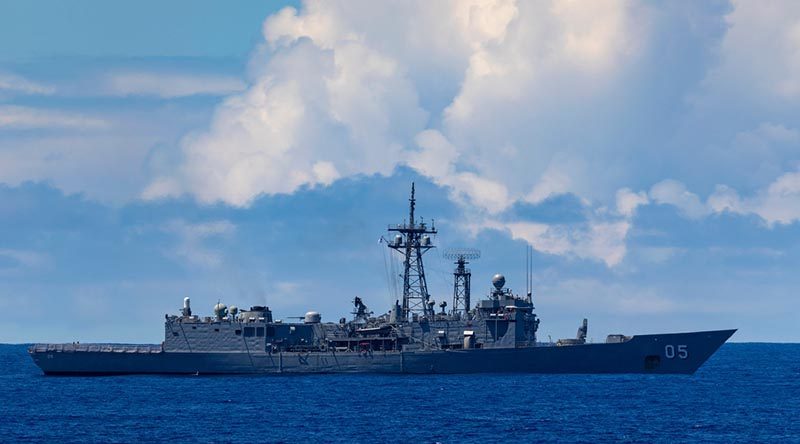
(107, 348)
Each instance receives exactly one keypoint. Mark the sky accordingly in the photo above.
(254, 154)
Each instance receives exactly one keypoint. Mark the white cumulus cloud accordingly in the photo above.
(315, 116)
(595, 240)
(437, 160)
(628, 201)
(341, 90)
(501, 102)
(778, 203)
(761, 51)
(675, 193)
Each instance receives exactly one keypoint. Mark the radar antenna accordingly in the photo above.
(413, 239)
(461, 278)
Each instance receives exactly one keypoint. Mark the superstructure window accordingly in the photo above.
(260, 332)
(249, 332)
(270, 331)
(237, 332)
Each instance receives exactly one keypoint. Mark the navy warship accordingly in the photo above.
(497, 334)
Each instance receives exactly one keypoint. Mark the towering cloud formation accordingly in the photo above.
(502, 102)
(339, 90)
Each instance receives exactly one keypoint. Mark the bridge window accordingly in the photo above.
(270, 331)
(260, 332)
(249, 332)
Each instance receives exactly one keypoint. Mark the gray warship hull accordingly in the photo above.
(498, 334)
(676, 353)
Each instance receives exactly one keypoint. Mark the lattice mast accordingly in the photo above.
(461, 279)
(413, 239)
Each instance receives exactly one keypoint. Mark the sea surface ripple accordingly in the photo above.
(744, 393)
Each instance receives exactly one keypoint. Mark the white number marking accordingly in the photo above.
(669, 351)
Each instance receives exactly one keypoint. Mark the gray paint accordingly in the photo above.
(627, 357)
(497, 335)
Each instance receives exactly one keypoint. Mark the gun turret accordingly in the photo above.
(583, 330)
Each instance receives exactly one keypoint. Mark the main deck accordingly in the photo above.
(681, 353)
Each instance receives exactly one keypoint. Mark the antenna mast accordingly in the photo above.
(461, 279)
(529, 272)
(412, 241)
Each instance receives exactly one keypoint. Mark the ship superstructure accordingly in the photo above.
(496, 334)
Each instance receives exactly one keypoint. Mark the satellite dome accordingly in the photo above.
(498, 281)
(233, 310)
(220, 310)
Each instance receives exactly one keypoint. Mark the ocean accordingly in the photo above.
(744, 393)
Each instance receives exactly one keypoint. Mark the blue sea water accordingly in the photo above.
(744, 393)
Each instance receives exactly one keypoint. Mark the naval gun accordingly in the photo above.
(580, 338)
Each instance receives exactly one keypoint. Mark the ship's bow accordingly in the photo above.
(678, 352)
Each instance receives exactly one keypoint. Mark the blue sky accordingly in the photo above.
(650, 154)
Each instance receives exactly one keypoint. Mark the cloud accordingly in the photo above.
(778, 203)
(316, 116)
(781, 201)
(437, 160)
(27, 118)
(553, 182)
(12, 83)
(290, 295)
(17, 261)
(628, 201)
(675, 193)
(108, 155)
(499, 102)
(777, 133)
(725, 198)
(598, 296)
(502, 103)
(169, 85)
(594, 240)
(191, 248)
(357, 91)
(760, 53)
(767, 150)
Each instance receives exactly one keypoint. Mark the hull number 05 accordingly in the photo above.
(681, 351)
